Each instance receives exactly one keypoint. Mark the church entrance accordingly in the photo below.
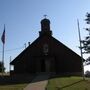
(45, 65)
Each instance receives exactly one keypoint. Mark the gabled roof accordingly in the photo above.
(24, 51)
(17, 59)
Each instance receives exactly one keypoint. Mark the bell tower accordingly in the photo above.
(45, 27)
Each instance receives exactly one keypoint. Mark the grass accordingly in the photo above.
(68, 83)
(18, 82)
(13, 87)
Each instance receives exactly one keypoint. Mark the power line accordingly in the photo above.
(13, 49)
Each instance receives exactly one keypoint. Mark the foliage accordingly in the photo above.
(86, 41)
(2, 68)
(87, 73)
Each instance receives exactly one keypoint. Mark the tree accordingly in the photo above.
(86, 41)
(87, 73)
(2, 68)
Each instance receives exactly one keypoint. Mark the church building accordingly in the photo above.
(47, 54)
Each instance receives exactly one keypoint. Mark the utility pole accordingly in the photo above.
(10, 65)
(81, 50)
(25, 45)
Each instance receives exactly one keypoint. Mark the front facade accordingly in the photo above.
(47, 54)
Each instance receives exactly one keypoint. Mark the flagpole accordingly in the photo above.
(3, 41)
(3, 60)
(81, 49)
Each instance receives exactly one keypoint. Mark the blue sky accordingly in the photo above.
(22, 20)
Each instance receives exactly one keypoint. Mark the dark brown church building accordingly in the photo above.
(47, 54)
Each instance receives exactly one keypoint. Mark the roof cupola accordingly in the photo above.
(45, 27)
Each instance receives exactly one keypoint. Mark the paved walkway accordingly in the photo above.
(39, 83)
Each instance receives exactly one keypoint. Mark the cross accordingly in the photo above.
(45, 16)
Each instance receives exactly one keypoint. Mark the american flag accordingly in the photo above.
(3, 36)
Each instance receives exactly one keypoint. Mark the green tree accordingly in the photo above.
(86, 41)
(2, 68)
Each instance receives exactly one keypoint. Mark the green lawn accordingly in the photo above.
(68, 83)
(13, 87)
(18, 82)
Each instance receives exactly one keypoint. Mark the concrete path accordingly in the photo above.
(39, 83)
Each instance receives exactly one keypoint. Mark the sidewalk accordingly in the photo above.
(39, 83)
